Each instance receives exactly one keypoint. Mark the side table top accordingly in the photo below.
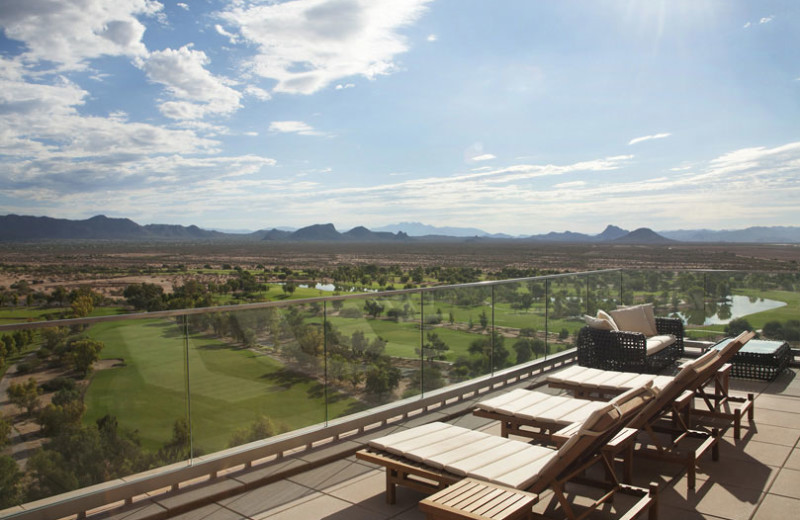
(754, 346)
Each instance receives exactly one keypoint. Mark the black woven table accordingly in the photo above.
(759, 359)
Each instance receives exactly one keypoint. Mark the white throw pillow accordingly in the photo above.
(603, 315)
(597, 323)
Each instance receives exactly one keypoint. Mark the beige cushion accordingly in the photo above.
(656, 344)
(597, 323)
(649, 313)
(635, 319)
(603, 315)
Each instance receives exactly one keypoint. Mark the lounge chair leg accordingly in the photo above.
(691, 470)
(391, 487)
(737, 424)
(715, 447)
(652, 513)
(751, 410)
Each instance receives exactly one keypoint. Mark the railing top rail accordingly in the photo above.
(284, 303)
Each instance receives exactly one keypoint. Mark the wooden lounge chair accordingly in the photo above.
(431, 457)
(714, 394)
(543, 416)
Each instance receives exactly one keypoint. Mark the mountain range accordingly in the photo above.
(19, 228)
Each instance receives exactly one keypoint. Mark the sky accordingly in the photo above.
(512, 116)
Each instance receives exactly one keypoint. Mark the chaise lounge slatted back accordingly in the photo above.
(595, 432)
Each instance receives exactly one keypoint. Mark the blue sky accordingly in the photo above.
(519, 117)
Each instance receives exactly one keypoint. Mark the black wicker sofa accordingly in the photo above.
(649, 348)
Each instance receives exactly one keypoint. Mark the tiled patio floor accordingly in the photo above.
(757, 477)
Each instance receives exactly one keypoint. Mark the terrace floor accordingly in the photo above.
(757, 477)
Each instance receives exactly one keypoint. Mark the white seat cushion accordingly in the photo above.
(656, 344)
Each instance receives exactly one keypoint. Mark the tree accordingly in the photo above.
(5, 431)
(428, 379)
(82, 306)
(484, 320)
(434, 348)
(55, 418)
(10, 482)
(737, 326)
(289, 288)
(84, 353)
(179, 447)
(373, 308)
(25, 395)
(524, 349)
(145, 296)
(262, 428)
(382, 378)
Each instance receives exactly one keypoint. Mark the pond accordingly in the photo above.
(329, 287)
(735, 307)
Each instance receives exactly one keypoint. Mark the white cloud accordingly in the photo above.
(258, 93)
(306, 46)
(484, 157)
(292, 127)
(636, 140)
(184, 74)
(230, 36)
(50, 150)
(432, 38)
(761, 21)
(345, 86)
(71, 32)
(183, 6)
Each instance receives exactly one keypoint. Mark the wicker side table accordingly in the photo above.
(759, 359)
(473, 499)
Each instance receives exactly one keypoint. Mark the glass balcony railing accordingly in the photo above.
(93, 400)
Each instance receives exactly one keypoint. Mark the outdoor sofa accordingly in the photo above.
(630, 339)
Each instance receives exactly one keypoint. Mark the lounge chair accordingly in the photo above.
(431, 457)
(593, 383)
(539, 415)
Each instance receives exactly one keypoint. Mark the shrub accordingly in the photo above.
(737, 326)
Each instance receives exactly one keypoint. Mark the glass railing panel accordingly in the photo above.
(458, 340)
(89, 404)
(254, 374)
(567, 303)
(372, 350)
(519, 314)
(768, 303)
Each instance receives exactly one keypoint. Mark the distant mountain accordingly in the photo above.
(16, 227)
(566, 236)
(316, 233)
(760, 234)
(328, 233)
(417, 229)
(642, 236)
(611, 233)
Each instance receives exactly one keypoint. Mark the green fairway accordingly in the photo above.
(230, 387)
